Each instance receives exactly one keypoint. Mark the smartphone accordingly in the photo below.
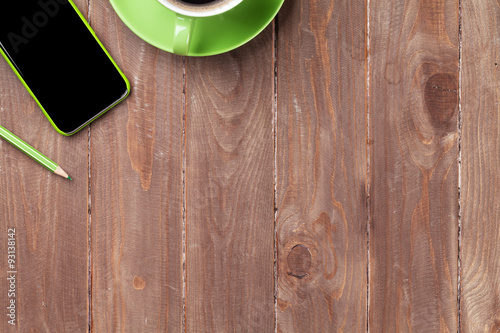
(60, 61)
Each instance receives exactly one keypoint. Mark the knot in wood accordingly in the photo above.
(299, 261)
(139, 283)
(441, 98)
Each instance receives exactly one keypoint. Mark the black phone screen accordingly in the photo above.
(62, 63)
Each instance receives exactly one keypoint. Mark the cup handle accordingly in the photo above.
(182, 34)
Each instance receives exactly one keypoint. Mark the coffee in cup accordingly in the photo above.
(201, 3)
(199, 8)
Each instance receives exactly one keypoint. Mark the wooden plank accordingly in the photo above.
(229, 190)
(49, 215)
(321, 167)
(136, 187)
(480, 176)
(414, 51)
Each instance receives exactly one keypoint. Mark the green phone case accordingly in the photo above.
(36, 100)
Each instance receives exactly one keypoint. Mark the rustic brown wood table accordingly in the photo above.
(340, 172)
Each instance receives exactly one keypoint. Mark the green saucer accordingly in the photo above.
(154, 23)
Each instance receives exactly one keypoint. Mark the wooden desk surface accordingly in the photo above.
(340, 172)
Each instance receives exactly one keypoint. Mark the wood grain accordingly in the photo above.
(321, 167)
(414, 52)
(229, 190)
(136, 187)
(480, 176)
(49, 215)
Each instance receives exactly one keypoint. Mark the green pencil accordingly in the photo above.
(33, 153)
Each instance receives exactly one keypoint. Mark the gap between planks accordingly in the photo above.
(184, 198)
(89, 211)
(368, 156)
(275, 171)
(459, 236)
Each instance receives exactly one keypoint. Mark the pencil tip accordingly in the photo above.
(69, 178)
(61, 172)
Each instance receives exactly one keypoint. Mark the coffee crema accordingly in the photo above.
(201, 4)
(197, 2)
